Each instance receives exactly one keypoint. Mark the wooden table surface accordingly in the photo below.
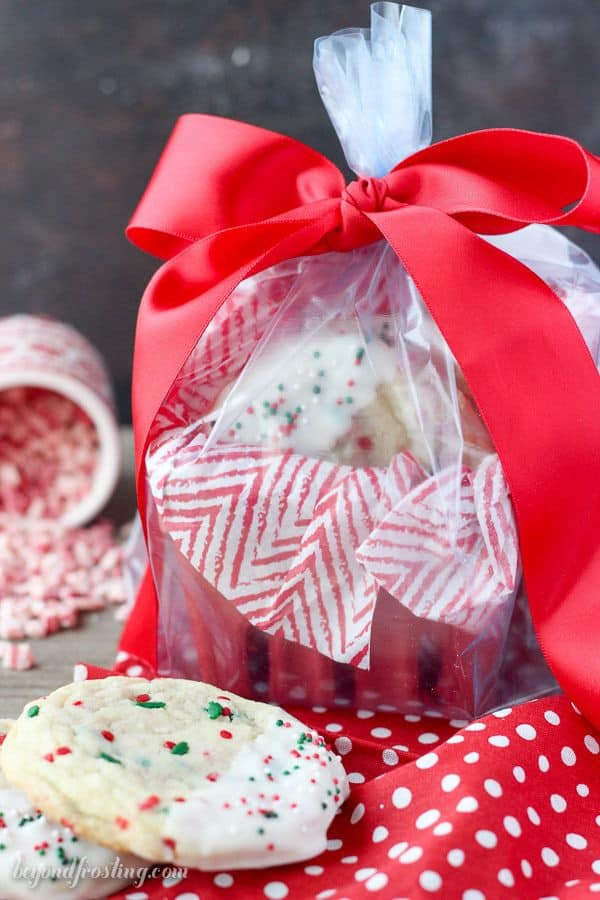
(94, 641)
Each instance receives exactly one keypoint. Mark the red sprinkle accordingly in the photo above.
(212, 776)
(63, 751)
(169, 744)
(2, 739)
(364, 442)
(150, 802)
(169, 842)
(142, 698)
(122, 823)
(49, 757)
(78, 703)
(107, 735)
(226, 711)
(66, 823)
(226, 734)
(2, 823)
(179, 799)
(270, 846)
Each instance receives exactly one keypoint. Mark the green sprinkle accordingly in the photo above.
(321, 373)
(279, 723)
(33, 711)
(323, 805)
(360, 353)
(269, 814)
(151, 704)
(298, 409)
(251, 778)
(316, 389)
(348, 399)
(286, 772)
(2, 846)
(214, 709)
(110, 759)
(74, 839)
(238, 425)
(280, 387)
(181, 748)
(261, 830)
(317, 354)
(266, 403)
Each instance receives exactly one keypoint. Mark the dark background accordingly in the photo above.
(89, 90)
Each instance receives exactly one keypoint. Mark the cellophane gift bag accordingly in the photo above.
(328, 521)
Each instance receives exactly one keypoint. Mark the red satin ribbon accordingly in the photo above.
(228, 200)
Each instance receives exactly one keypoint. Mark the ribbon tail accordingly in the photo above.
(538, 391)
(176, 308)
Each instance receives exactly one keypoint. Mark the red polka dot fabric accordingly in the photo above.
(506, 806)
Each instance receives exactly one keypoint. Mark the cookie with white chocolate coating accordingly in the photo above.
(176, 770)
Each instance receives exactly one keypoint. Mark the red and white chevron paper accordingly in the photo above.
(448, 551)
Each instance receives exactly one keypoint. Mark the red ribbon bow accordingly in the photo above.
(228, 200)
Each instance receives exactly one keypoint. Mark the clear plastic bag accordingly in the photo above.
(328, 521)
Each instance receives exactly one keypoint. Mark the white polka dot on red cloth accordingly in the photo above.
(428, 737)
(476, 726)
(506, 877)
(473, 894)
(427, 818)
(456, 857)
(363, 873)
(377, 882)
(364, 713)
(349, 860)
(550, 857)
(567, 754)
(596, 867)
(499, 740)
(381, 733)
(276, 890)
(443, 828)
(591, 744)
(471, 758)
(134, 671)
(427, 761)
(576, 841)
(533, 816)
(543, 763)
(430, 881)
(512, 826)
(401, 797)
(356, 778)
(486, 838)
(334, 727)
(583, 790)
(450, 782)
(456, 739)
(467, 805)
(551, 717)
(314, 870)
(334, 844)
(223, 880)
(413, 854)
(492, 787)
(395, 851)
(380, 833)
(526, 868)
(502, 713)
(357, 813)
(343, 745)
(390, 757)
(519, 774)
(558, 803)
(188, 896)
(526, 731)
(412, 718)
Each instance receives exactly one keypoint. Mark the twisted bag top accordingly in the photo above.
(228, 200)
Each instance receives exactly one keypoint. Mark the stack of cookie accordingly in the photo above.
(140, 773)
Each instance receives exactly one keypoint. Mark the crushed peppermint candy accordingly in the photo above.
(49, 574)
(48, 453)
